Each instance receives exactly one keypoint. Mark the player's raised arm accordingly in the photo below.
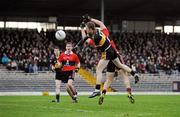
(101, 24)
(96, 21)
(83, 33)
(85, 37)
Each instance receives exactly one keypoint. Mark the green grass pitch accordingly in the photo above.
(113, 106)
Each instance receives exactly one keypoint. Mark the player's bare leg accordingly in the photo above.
(58, 84)
(126, 81)
(71, 90)
(109, 79)
(101, 66)
(126, 69)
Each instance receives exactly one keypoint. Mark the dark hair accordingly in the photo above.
(91, 25)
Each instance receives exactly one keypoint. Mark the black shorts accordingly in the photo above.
(64, 76)
(109, 54)
(111, 67)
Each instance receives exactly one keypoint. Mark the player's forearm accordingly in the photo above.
(83, 34)
(99, 23)
(82, 41)
(96, 21)
(78, 65)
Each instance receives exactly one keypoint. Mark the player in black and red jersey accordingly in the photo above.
(111, 68)
(67, 63)
(99, 38)
(57, 70)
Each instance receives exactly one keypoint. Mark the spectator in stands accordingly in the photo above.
(178, 62)
(35, 67)
(141, 67)
(21, 44)
(151, 67)
(5, 60)
(14, 65)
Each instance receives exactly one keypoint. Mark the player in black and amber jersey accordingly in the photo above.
(111, 69)
(99, 38)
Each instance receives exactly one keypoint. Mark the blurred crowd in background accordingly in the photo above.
(32, 51)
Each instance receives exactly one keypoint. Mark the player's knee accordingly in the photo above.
(126, 81)
(57, 85)
(69, 83)
(110, 75)
(99, 71)
(110, 80)
(67, 86)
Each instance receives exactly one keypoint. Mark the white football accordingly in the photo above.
(60, 35)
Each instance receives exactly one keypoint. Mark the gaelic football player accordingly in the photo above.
(67, 63)
(99, 38)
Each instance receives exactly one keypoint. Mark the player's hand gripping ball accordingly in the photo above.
(58, 65)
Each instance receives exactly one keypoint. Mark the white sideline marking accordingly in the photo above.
(85, 93)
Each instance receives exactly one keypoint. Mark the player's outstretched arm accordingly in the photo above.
(83, 34)
(99, 23)
(85, 38)
(78, 65)
(96, 21)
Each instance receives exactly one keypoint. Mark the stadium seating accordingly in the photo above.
(149, 82)
(148, 53)
(16, 81)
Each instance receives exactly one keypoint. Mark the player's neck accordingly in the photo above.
(68, 52)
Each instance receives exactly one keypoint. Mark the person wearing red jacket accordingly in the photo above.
(67, 63)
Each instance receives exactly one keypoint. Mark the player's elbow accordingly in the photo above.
(102, 26)
(79, 65)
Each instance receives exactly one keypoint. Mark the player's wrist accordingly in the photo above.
(58, 65)
(77, 69)
(86, 18)
(82, 25)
